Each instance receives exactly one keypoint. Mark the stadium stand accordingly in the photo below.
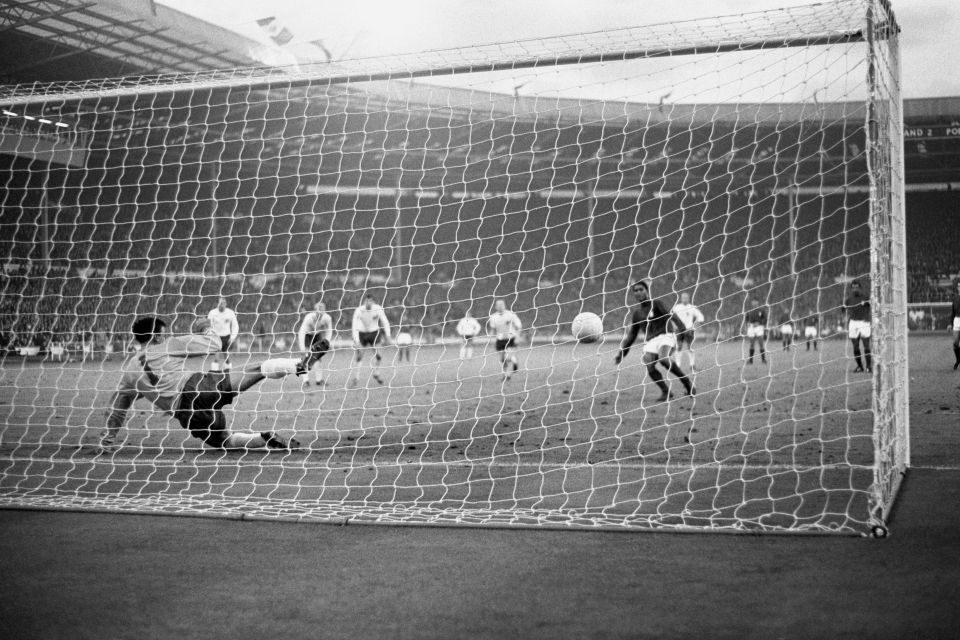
(215, 184)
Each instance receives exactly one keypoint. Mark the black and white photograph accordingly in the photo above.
(448, 319)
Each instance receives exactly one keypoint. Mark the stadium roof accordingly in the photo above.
(54, 40)
(44, 41)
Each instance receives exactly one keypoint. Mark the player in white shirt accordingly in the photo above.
(506, 326)
(468, 328)
(404, 341)
(317, 325)
(370, 327)
(224, 323)
(691, 317)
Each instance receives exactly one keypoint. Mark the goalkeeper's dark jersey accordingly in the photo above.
(757, 316)
(956, 306)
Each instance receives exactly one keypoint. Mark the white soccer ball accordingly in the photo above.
(587, 327)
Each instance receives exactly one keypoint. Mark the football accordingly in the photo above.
(587, 327)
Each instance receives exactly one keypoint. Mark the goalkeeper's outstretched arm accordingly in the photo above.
(120, 404)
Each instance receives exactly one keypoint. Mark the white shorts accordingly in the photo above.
(654, 345)
(756, 331)
(786, 329)
(956, 323)
(858, 329)
(810, 332)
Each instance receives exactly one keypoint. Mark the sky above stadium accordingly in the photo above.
(322, 29)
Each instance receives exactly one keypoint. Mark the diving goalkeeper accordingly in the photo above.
(160, 372)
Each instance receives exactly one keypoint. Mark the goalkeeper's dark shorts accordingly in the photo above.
(201, 400)
(225, 343)
(312, 338)
(505, 343)
(685, 337)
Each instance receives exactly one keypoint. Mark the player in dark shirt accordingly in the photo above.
(660, 327)
(956, 325)
(857, 307)
(756, 320)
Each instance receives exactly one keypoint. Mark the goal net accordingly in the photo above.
(748, 162)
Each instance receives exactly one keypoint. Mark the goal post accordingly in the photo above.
(885, 165)
(742, 160)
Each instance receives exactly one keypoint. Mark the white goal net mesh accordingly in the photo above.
(748, 162)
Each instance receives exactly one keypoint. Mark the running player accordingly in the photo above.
(468, 328)
(857, 307)
(811, 329)
(956, 324)
(506, 326)
(225, 325)
(756, 321)
(370, 327)
(317, 325)
(691, 316)
(660, 328)
(159, 371)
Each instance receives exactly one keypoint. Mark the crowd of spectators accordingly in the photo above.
(721, 256)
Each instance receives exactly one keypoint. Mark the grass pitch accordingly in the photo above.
(569, 439)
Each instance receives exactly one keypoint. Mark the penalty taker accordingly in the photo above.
(157, 372)
(659, 328)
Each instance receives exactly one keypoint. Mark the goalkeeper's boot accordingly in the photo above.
(275, 441)
(317, 350)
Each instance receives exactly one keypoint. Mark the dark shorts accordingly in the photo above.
(201, 401)
(312, 339)
(503, 345)
(225, 343)
(685, 338)
(369, 338)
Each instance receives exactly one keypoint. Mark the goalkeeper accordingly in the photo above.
(160, 372)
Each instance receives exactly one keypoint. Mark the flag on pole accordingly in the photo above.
(277, 32)
(326, 52)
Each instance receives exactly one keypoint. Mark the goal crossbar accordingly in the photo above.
(413, 66)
